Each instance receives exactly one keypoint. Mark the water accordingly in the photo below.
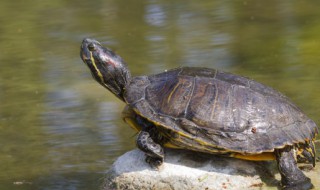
(60, 130)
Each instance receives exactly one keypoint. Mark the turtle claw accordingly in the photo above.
(154, 162)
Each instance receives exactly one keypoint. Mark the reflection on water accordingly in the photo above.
(60, 130)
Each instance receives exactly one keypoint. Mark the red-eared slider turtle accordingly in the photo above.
(207, 110)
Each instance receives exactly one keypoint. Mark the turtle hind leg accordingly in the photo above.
(306, 153)
(292, 178)
(153, 151)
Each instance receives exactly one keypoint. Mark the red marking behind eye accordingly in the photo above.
(108, 60)
(112, 63)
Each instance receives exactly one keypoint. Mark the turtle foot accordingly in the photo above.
(305, 185)
(154, 162)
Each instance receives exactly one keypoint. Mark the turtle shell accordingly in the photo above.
(217, 112)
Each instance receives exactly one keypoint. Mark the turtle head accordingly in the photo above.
(106, 67)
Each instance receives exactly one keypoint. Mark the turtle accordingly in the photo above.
(207, 111)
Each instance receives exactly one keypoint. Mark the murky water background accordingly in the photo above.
(60, 130)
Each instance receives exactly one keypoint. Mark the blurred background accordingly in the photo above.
(59, 129)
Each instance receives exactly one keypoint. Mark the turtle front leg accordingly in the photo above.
(292, 178)
(153, 151)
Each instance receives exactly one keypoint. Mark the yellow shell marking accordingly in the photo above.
(171, 93)
(255, 157)
(132, 123)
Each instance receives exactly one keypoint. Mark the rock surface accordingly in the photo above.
(183, 170)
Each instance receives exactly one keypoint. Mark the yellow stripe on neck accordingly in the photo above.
(95, 66)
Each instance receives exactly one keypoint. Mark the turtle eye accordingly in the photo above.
(91, 47)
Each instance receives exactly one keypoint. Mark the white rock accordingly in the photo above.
(184, 170)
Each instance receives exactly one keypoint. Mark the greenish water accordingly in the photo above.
(60, 130)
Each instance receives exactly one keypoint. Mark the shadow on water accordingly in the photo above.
(59, 129)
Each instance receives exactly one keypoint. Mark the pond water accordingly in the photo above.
(60, 130)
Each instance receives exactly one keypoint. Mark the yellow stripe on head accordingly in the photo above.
(96, 68)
